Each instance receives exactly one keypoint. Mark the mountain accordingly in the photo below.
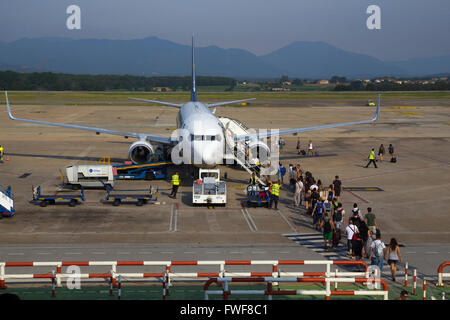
(425, 66)
(321, 60)
(150, 57)
(158, 57)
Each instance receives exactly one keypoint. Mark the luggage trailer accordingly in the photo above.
(144, 196)
(6, 202)
(44, 200)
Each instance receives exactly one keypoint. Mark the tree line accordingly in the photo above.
(10, 80)
(392, 86)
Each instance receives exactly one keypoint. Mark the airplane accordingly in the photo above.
(206, 131)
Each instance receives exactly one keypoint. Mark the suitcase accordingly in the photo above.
(317, 153)
(303, 152)
(394, 160)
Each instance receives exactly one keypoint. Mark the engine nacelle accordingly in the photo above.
(140, 151)
(258, 150)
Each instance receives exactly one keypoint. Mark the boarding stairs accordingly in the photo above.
(6, 202)
(236, 150)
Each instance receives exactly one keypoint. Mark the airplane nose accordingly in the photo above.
(211, 155)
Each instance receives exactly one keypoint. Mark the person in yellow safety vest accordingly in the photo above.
(275, 194)
(175, 185)
(1, 153)
(253, 180)
(372, 158)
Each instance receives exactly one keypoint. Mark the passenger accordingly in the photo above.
(330, 194)
(364, 235)
(298, 147)
(1, 152)
(298, 193)
(356, 218)
(403, 295)
(391, 151)
(337, 187)
(350, 231)
(328, 229)
(338, 219)
(317, 213)
(357, 244)
(381, 152)
(394, 256)
(371, 220)
(310, 149)
(308, 201)
(377, 251)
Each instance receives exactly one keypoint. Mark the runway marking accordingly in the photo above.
(287, 221)
(356, 196)
(248, 218)
(173, 218)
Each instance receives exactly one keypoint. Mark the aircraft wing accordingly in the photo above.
(227, 102)
(141, 136)
(268, 133)
(158, 102)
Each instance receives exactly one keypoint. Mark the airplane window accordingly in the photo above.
(213, 138)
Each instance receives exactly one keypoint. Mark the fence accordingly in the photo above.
(269, 292)
(441, 274)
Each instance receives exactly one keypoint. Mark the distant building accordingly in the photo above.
(162, 89)
(322, 82)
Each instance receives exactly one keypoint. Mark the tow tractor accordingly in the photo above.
(209, 189)
(119, 195)
(6, 202)
(44, 200)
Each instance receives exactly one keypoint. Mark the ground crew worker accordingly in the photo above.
(372, 158)
(253, 180)
(1, 152)
(175, 185)
(275, 194)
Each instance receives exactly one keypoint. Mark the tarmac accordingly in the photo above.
(412, 206)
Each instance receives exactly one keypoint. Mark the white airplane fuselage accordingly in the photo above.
(206, 136)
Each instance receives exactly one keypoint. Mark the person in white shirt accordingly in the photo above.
(349, 231)
(310, 148)
(377, 251)
(298, 193)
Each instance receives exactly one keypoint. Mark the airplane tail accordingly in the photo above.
(193, 90)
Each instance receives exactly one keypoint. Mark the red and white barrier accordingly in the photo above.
(424, 289)
(406, 275)
(441, 274)
(414, 282)
(225, 292)
(222, 272)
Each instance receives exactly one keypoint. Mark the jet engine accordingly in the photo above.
(139, 152)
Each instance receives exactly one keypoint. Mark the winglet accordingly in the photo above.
(377, 112)
(9, 107)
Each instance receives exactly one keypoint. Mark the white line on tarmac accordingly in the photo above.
(98, 252)
(167, 252)
(73, 253)
(171, 218)
(248, 218)
(15, 254)
(43, 253)
(287, 221)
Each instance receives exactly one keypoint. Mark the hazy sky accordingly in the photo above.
(409, 28)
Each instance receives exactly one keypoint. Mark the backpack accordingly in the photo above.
(356, 236)
(378, 249)
(327, 226)
(330, 196)
(283, 171)
(303, 152)
(338, 215)
(319, 208)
